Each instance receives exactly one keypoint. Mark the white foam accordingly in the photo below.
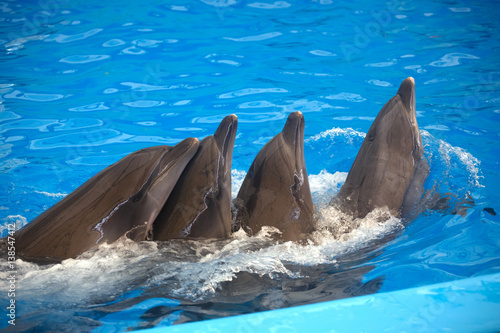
(325, 185)
(237, 177)
(348, 133)
(19, 221)
(100, 273)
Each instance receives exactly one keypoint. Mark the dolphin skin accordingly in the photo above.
(121, 200)
(275, 191)
(200, 204)
(389, 170)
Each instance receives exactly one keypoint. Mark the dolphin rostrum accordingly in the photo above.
(389, 170)
(275, 191)
(200, 204)
(123, 199)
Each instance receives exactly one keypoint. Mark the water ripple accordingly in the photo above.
(90, 107)
(113, 42)
(18, 43)
(134, 50)
(243, 117)
(274, 5)
(46, 125)
(16, 94)
(179, 8)
(147, 42)
(322, 53)
(220, 3)
(5, 149)
(8, 115)
(251, 91)
(83, 59)
(452, 59)
(382, 64)
(148, 87)
(11, 164)
(144, 104)
(60, 38)
(460, 9)
(94, 138)
(380, 83)
(255, 38)
(256, 105)
(183, 102)
(302, 105)
(218, 59)
(110, 91)
(350, 97)
(38, 124)
(311, 74)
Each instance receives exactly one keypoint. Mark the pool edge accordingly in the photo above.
(466, 305)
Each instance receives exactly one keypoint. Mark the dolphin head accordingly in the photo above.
(224, 138)
(135, 216)
(276, 191)
(293, 136)
(386, 164)
(406, 93)
(200, 204)
(121, 200)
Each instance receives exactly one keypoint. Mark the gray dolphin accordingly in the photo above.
(123, 199)
(275, 191)
(200, 204)
(389, 169)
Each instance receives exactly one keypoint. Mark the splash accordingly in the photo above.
(450, 154)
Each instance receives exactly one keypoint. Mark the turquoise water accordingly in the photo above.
(82, 84)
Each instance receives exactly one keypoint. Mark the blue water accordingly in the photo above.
(84, 83)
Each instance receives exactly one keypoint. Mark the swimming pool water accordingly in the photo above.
(84, 83)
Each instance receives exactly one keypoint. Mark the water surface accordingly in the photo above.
(83, 83)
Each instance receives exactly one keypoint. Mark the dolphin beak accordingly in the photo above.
(293, 131)
(226, 134)
(407, 93)
(183, 150)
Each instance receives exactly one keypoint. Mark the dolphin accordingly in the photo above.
(121, 200)
(389, 170)
(275, 191)
(200, 203)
